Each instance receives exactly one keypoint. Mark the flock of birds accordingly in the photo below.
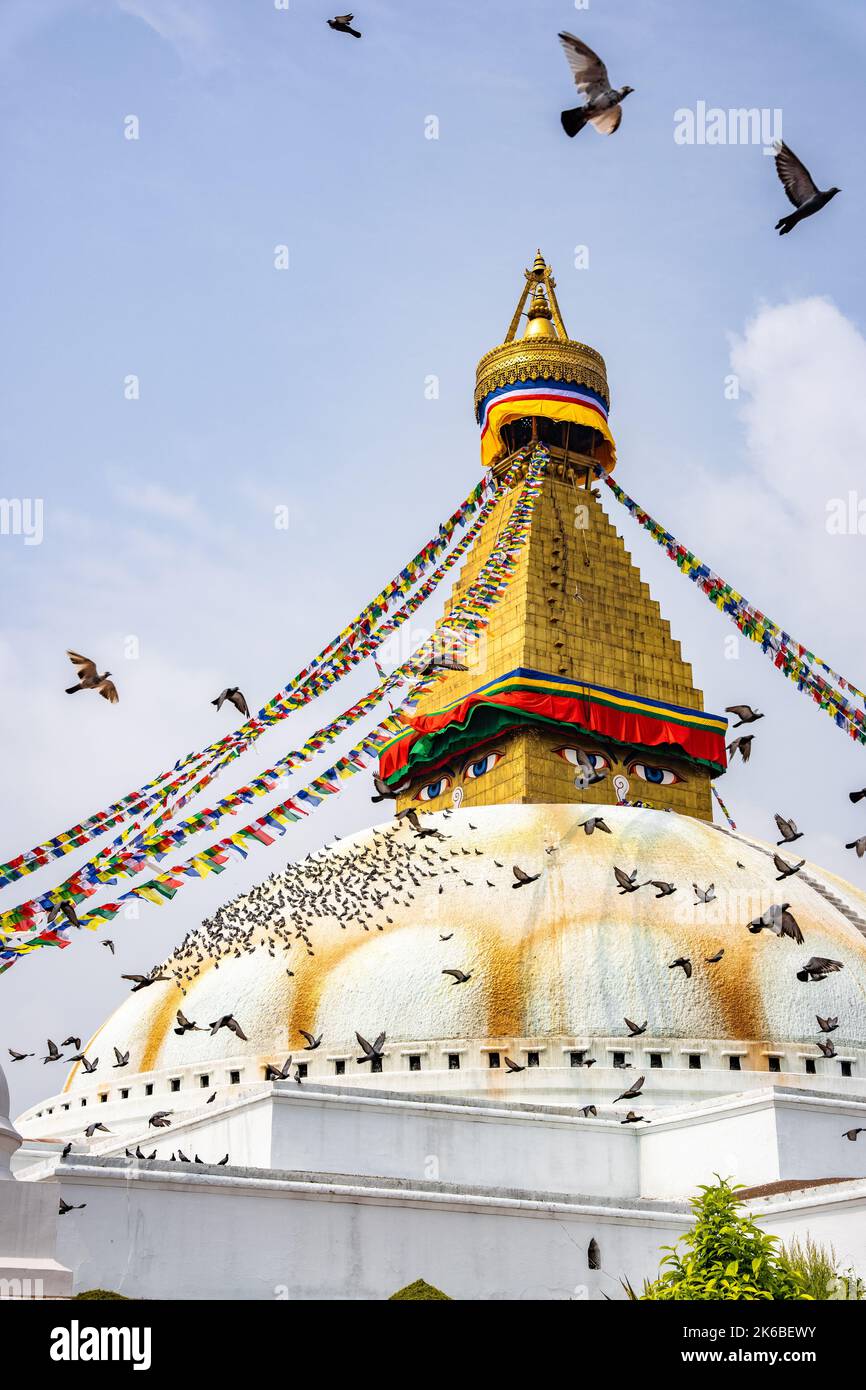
(363, 884)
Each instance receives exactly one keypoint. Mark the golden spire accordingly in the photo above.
(540, 316)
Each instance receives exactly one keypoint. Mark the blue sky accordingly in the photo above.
(305, 387)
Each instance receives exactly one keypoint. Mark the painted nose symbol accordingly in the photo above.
(620, 786)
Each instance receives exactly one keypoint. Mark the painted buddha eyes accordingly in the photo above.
(481, 765)
(478, 767)
(599, 761)
(434, 789)
(658, 776)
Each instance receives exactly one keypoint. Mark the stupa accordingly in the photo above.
(485, 952)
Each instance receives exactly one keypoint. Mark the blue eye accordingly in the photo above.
(481, 765)
(657, 776)
(434, 789)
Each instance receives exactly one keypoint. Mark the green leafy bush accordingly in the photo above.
(420, 1291)
(724, 1256)
(99, 1293)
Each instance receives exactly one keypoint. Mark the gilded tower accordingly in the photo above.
(577, 691)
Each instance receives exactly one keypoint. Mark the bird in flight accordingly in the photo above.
(229, 1021)
(19, 1056)
(852, 1133)
(818, 968)
(828, 1048)
(521, 878)
(602, 107)
(665, 889)
(741, 745)
(633, 1090)
(89, 678)
(282, 1073)
(370, 1050)
(627, 882)
(142, 981)
(635, 1029)
(714, 960)
(857, 796)
(342, 23)
(54, 1054)
(704, 895)
(779, 920)
(513, 1066)
(858, 845)
(745, 714)
(160, 1119)
(235, 697)
(596, 823)
(786, 869)
(787, 829)
(827, 1025)
(682, 963)
(70, 1206)
(800, 188)
(184, 1026)
(460, 977)
(312, 1041)
(122, 1058)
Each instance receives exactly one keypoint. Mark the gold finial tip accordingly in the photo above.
(538, 266)
(540, 316)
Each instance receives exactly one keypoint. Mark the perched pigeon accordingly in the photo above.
(602, 107)
(800, 188)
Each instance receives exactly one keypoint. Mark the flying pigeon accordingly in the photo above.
(342, 23)
(89, 679)
(788, 830)
(54, 1054)
(828, 1048)
(635, 1029)
(665, 889)
(160, 1119)
(704, 895)
(786, 869)
(684, 964)
(632, 1119)
(596, 823)
(521, 878)
(800, 188)
(460, 977)
(602, 107)
(714, 960)
(20, 1056)
(857, 796)
(370, 1050)
(858, 845)
(627, 882)
(745, 714)
(229, 1021)
(741, 745)
(852, 1133)
(235, 697)
(122, 1058)
(778, 919)
(513, 1066)
(827, 1025)
(818, 968)
(634, 1090)
(312, 1041)
(142, 981)
(69, 1206)
(273, 1073)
